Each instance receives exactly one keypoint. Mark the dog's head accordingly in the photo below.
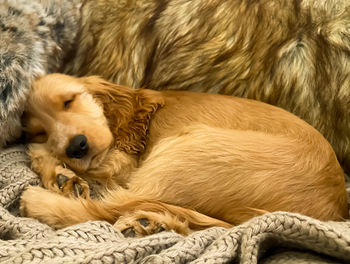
(80, 119)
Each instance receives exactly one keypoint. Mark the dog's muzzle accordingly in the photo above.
(78, 147)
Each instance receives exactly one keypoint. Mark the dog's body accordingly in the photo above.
(293, 54)
(225, 157)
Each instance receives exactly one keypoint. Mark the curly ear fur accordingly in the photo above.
(127, 110)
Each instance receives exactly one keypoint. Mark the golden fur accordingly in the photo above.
(289, 53)
(158, 155)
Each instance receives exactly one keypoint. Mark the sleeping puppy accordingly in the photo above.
(171, 160)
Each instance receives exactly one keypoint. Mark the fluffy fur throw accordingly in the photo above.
(33, 36)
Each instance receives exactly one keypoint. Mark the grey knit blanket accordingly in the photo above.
(272, 238)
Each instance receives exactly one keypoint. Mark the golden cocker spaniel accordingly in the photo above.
(172, 159)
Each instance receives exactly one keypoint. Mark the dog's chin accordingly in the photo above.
(79, 165)
(96, 160)
(88, 162)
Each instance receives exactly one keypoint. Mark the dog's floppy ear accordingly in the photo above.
(127, 110)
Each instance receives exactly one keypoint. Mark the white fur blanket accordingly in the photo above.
(272, 238)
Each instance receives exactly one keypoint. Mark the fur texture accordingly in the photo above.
(157, 154)
(290, 53)
(35, 37)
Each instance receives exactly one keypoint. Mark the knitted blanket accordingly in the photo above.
(272, 238)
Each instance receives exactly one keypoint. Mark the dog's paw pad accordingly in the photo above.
(61, 180)
(159, 229)
(136, 226)
(143, 221)
(129, 232)
(72, 185)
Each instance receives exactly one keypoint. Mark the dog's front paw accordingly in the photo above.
(46, 206)
(33, 201)
(70, 184)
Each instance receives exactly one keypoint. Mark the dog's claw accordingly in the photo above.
(78, 189)
(129, 232)
(61, 179)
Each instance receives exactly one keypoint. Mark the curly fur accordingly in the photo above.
(290, 53)
(129, 112)
(35, 37)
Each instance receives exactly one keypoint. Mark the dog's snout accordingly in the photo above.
(78, 147)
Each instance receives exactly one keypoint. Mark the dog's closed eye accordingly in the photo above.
(68, 102)
(39, 137)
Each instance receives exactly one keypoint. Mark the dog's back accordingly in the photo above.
(184, 108)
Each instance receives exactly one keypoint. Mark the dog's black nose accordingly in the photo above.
(78, 147)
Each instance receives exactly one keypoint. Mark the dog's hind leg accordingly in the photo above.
(234, 175)
(144, 217)
(130, 213)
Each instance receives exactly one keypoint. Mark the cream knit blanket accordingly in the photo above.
(272, 238)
